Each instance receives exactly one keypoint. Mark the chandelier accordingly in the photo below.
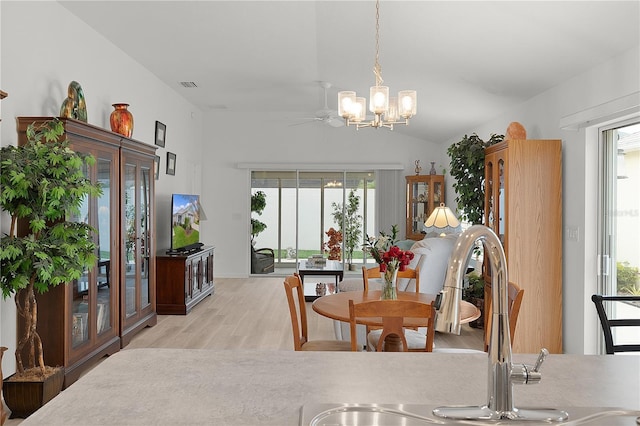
(387, 111)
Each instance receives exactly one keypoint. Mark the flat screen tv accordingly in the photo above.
(185, 222)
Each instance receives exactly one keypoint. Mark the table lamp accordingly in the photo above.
(443, 221)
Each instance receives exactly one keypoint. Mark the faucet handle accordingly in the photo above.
(524, 374)
(543, 355)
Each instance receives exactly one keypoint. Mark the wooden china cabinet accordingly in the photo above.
(98, 314)
(523, 206)
(424, 193)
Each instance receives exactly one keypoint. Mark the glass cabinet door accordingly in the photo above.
(132, 239)
(92, 295)
(419, 200)
(104, 273)
(80, 287)
(424, 193)
(145, 239)
(137, 222)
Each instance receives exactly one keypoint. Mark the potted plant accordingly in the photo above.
(42, 186)
(258, 203)
(467, 168)
(333, 246)
(474, 294)
(349, 223)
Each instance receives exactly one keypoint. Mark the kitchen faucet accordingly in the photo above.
(502, 372)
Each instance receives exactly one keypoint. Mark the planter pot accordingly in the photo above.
(479, 303)
(3, 413)
(24, 398)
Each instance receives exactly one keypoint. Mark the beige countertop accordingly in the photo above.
(182, 386)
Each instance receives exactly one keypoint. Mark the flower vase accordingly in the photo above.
(121, 120)
(433, 168)
(389, 280)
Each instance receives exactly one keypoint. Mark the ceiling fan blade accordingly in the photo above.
(308, 121)
(335, 122)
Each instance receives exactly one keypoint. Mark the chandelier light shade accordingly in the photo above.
(387, 111)
(443, 221)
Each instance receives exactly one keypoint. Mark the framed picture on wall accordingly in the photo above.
(157, 160)
(171, 163)
(161, 131)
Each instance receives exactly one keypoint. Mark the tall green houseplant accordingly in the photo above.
(42, 185)
(467, 168)
(349, 223)
(258, 203)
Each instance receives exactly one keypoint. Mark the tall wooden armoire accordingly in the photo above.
(523, 205)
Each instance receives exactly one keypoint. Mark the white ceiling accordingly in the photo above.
(468, 60)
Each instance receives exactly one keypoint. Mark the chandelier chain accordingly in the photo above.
(377, 69)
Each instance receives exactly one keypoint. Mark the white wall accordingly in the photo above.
(267, 138)
(541, 116)
(44, 47)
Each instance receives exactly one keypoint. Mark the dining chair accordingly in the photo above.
(298, 311)
(608, 323)
(514, 302)
(374, 272)
(393, 313)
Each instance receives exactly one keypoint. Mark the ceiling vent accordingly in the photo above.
(188, 84)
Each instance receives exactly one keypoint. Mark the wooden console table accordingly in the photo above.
(183, 280)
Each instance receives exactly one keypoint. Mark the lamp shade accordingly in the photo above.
(442, 220)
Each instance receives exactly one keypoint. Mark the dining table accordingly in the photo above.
(336, 306)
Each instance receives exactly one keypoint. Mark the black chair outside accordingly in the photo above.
(608, 324)
(262, 260)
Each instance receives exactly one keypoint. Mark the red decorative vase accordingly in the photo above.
(121, 120)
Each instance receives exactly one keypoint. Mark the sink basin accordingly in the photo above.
(420, 415)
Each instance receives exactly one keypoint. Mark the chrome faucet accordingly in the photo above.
(502, 372)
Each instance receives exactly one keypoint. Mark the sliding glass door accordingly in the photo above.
(303, 205)
(619, 224)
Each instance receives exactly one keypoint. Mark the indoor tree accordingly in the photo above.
(43, 185)
(467, 168)
(258, 203)
(349, 222)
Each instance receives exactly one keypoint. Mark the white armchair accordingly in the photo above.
(431, 255)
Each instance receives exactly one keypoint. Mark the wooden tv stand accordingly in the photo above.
(183, 280)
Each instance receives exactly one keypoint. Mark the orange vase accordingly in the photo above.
(121, 120)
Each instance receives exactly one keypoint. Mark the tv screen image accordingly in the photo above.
(185, 221)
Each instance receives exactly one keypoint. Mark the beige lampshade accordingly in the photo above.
(442, 220)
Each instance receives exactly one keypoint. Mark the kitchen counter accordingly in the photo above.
(190, 386)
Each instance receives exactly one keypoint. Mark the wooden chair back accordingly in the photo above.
(392, 313)
(608, 323)
(297, 310)
(375, 273)
(515, 301)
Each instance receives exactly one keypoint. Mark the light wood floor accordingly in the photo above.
(253, 314)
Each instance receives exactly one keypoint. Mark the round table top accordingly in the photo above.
(336, 306)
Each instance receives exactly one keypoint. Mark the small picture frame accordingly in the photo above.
(157, 160)
(171, 163)
(161, 132)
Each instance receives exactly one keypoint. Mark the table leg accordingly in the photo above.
(392, 343)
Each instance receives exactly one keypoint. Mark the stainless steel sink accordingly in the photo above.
(419, 415)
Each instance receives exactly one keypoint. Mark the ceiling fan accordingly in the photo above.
(325, 115)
